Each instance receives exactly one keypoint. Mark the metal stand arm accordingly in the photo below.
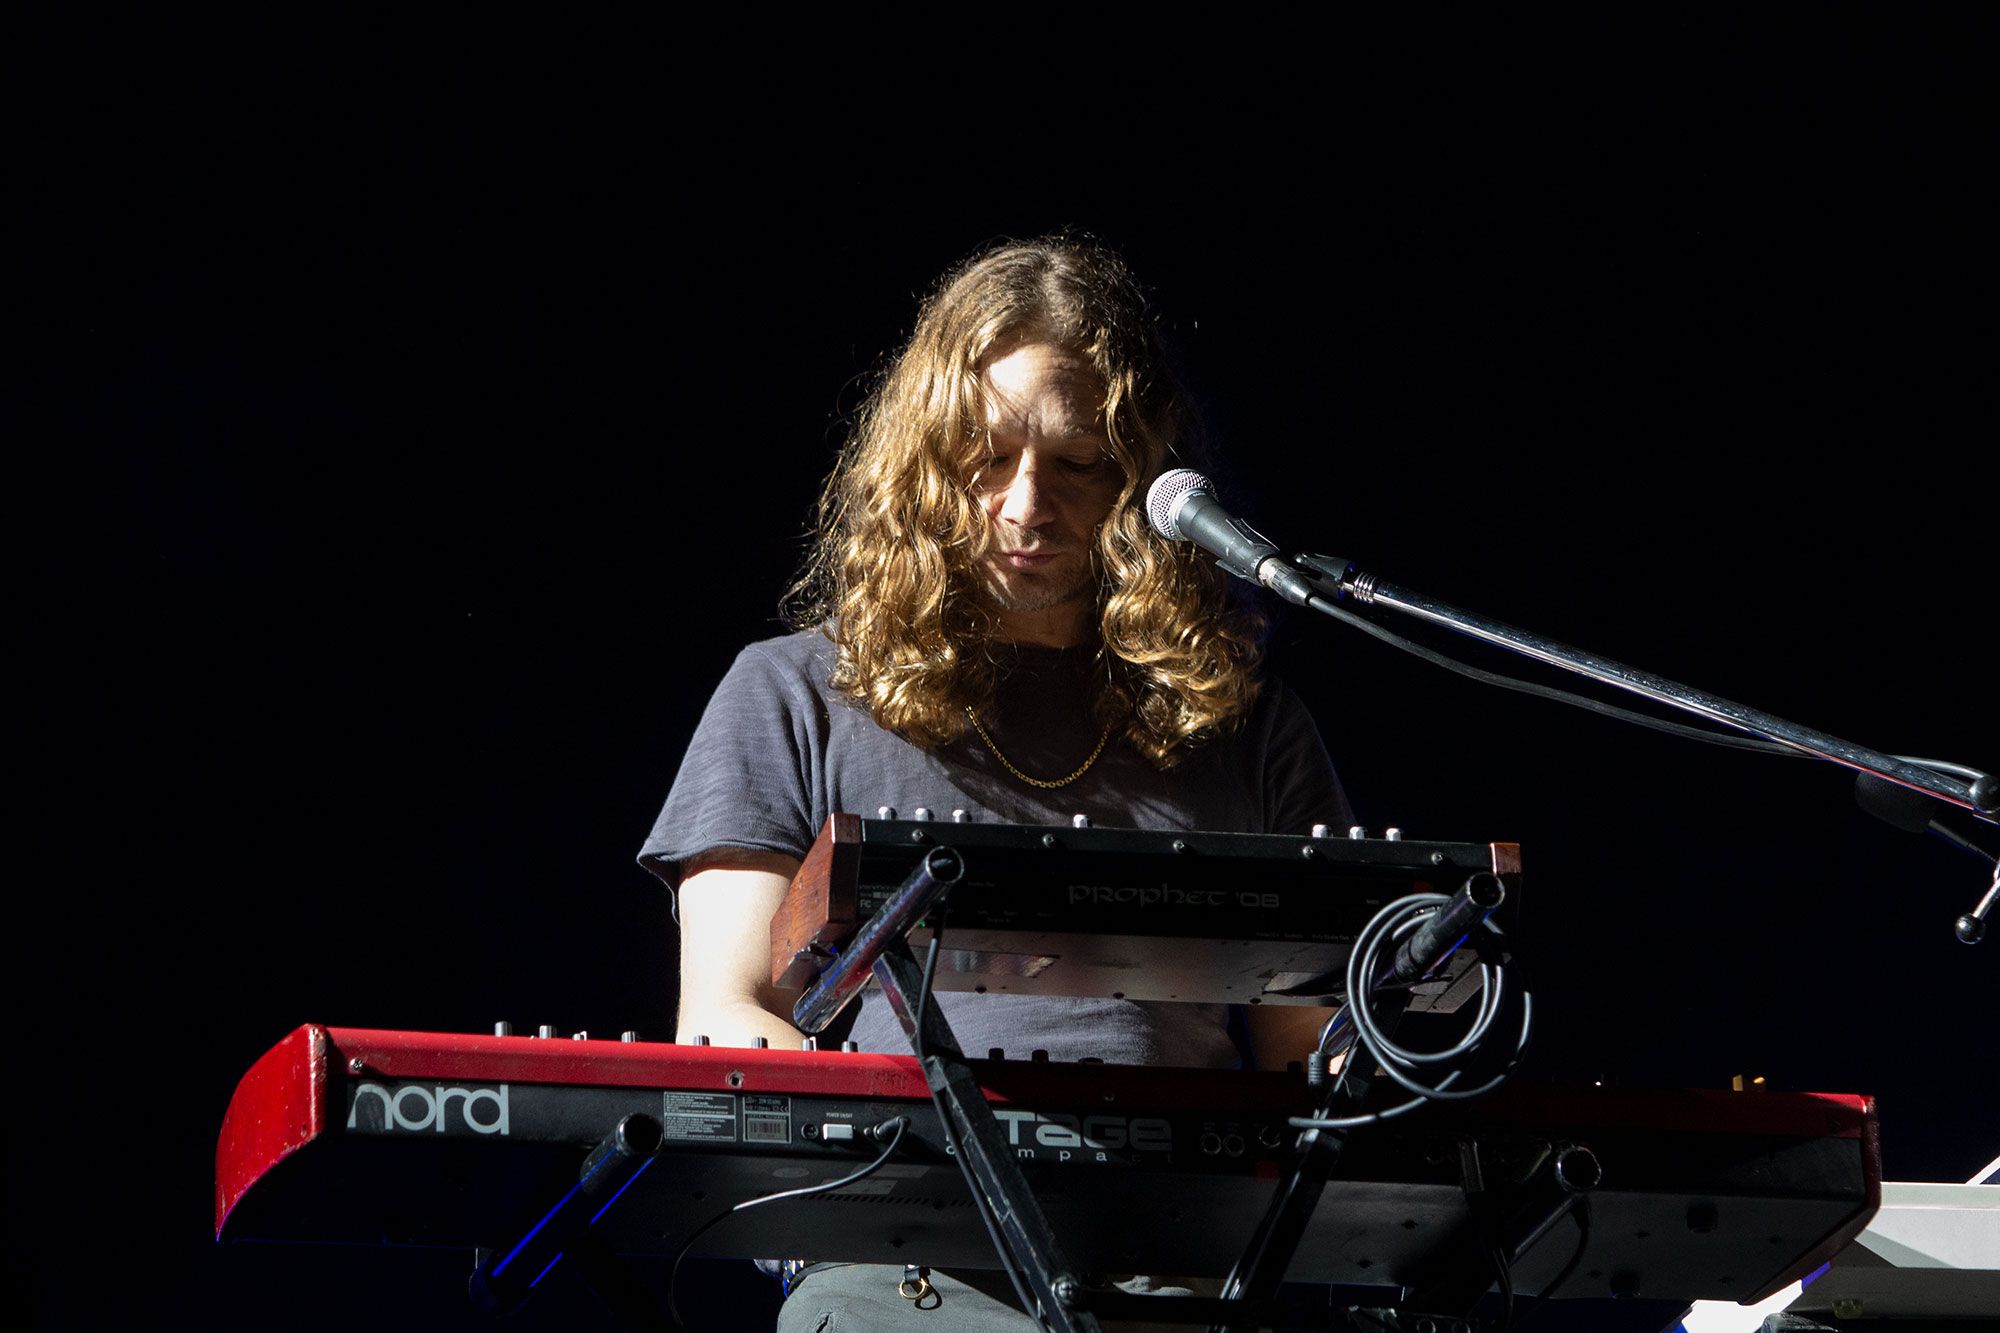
(1334, 578)
(1262, 1266)
(501, 1281)
(843, 979)
(881, 950)
(983, 1154)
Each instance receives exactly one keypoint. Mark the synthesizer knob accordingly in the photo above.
(503, 1029)
(1039, 1057)
(701, 1039)
(850, 1046)
(995, 1053)
(1393, 834)
(1321, 830)
(921, 814)
(579, 1036)
(761, 1043)
(546, 1032)
(812, 1044)
(1356, 833)
(958, 816)
(1079, 821)
(628, 1035)
(885, 812)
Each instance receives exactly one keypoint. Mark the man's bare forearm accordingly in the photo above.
(736, 1024)
(726, 903)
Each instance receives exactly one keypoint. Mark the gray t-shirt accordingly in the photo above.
(778, 752)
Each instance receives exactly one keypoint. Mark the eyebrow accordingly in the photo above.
(1095, 436)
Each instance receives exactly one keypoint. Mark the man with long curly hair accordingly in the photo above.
(987, 623)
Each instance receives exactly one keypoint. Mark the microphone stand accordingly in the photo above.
(1332, 579)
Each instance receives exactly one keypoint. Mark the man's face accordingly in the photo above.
(1048, 484)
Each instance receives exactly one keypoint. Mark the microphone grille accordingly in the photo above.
(1163, 499)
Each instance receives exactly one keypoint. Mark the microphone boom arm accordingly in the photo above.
(1333, 579)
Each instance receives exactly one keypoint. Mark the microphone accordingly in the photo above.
(1182, 507)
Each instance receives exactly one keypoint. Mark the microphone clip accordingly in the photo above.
(1333, 578)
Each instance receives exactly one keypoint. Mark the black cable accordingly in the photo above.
(924, 990)
(900, 1124)
(1436, 658)
(1394, 922)
(1730, 740)
(1966, 771)
(1393, 1056)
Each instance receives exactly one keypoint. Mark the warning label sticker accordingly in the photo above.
(767, 1119)
(704, 1116)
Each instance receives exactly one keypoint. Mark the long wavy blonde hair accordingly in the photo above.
(892, 575)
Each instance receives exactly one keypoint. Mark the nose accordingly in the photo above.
(1027, 501)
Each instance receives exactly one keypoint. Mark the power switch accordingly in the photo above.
(836, 1133)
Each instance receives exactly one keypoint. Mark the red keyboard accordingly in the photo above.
(370, 1137)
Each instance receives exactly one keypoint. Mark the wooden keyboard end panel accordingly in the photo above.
(819, 907)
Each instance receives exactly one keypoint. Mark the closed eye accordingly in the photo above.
(997, 469)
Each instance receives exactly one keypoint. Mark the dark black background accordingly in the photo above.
(420, 421)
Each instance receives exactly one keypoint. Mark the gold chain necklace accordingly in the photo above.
(1007, 764)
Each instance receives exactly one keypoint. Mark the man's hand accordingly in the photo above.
(727, 898)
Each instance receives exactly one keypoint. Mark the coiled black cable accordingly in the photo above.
(1365, 965)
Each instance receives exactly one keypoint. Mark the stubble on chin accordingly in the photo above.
(1026, 596)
